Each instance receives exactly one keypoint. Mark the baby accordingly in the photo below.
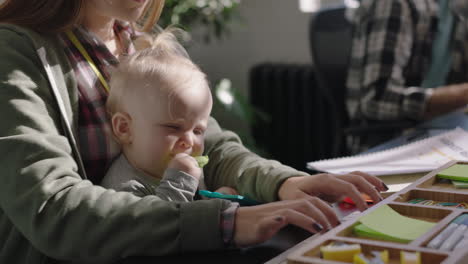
(159, 104)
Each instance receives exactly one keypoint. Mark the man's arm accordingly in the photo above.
(382, 44)
(445, 99)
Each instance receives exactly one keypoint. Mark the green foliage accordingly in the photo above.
(213, 15)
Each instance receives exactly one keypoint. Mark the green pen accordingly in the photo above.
(235, 198)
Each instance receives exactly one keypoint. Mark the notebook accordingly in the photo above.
(419, 156)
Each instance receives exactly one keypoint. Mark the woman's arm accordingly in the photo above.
(231, 164)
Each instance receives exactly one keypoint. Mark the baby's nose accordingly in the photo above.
(186, 141)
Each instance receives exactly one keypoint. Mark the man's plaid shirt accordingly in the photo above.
(392, 52)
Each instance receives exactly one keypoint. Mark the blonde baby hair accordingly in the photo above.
(161, 59)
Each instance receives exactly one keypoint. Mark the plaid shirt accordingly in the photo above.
(97, 145)
(390, 55)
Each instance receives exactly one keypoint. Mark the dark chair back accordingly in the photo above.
(330, 36)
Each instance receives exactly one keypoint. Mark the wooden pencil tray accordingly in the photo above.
(428, 187)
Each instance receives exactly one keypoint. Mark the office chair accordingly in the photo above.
(330, 35)
(330, 41)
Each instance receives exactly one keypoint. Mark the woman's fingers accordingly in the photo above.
(307, 212)
(341, 185)
(363, 186)
(326, 210)
(304, 221)
(310, 207)
(326, 216)
(378, 183)
(256, 224)
(269, 226)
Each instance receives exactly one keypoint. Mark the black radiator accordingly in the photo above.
(297, 130)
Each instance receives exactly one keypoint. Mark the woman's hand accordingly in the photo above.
(255, 224)
(332, 187)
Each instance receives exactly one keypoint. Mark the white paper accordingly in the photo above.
(420, 156)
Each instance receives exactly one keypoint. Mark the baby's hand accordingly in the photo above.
(187, 164)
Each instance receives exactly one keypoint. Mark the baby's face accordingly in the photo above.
(164, 125)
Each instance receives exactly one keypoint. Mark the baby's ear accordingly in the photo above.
(121, 126)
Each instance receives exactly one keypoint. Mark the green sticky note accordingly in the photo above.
(202, 160)
(458, 172)
(364, 231)
(460, 184)
(388, 224)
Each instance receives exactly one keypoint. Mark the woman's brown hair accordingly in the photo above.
(51, 16)
(151, 15)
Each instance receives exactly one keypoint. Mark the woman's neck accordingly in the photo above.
(103, 28)
(100, 25)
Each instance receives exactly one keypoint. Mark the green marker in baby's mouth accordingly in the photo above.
(202, 160)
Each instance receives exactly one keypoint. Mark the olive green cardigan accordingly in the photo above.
(48, 208)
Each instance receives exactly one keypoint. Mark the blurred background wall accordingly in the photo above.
(268, 31)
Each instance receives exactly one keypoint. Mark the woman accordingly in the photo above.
(53, 81)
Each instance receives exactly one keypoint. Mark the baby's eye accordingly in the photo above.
(174, 127)
(199, 131)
